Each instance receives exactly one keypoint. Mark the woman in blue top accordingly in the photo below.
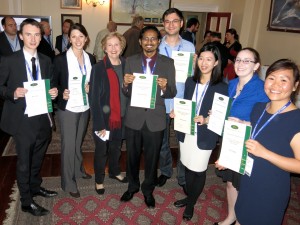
(245, 91)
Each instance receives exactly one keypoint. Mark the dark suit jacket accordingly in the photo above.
(154, 118)
(58, 43)
(5, 48)
(13, 73)
(186, 35)
(61, 77)
(206, 139)
(132, 42)
(45, 48)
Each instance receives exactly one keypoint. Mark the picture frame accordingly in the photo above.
(283, 16)
(76, 18)
(122, 11)
(71, 4)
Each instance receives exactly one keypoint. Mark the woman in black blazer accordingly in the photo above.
(71, 76)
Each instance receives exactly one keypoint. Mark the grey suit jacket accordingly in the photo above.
(13, 73)
(154, 118)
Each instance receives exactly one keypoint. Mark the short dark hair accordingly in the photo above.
(68, 21)
(32, 22)
(191, 22)
(172, 10)
(206, 33)
(216, 35)
(150, 27)
(216, 75)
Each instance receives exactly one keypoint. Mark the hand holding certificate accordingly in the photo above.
(144, 89)
(220, 110)
(38, 99)
(234, 153)
(183, 62)
(184, 111)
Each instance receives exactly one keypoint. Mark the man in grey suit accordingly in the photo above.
(144, 126)
(32, 135)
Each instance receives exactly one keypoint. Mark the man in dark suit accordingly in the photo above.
(45, 45)
(192, 27)
(32, 135)
(62, 42)
(145, 126)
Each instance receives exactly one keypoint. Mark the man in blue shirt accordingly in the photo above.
(172, 41)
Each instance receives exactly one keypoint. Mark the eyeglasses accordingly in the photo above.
(245, 61)
(146, 39)
(176, 21)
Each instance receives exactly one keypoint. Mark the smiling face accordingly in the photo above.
(31, 36)
(77, 39)
(113, 48)
(280, 84)
(207, 62)
(172, 24)
(245, 64)
(149, 43)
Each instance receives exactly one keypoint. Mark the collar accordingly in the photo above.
(179, 44)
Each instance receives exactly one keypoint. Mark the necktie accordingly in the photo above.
(148, 70)
(34, 75)
(49, 41)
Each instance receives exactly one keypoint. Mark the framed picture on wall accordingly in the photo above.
(122, 11)
(76, 18)
(284, 16)
(70, 4)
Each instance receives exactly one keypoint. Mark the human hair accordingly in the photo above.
(233, 32)
(81, 28)
(68, 21)
(286, 64)
(206, 33)
(255, 53)
(216, 74)
(111, 35)
(137, 20)
(191, 22)
(111, 26)
(172, 10)
(150, 27)
(215, 34)
(32, 22)
(3, 21)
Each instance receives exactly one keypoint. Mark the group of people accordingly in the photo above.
(103, 87)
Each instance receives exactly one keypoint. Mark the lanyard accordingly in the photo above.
(144, 67)
(254, 133)
(82, 72)
(30, 72)
(166, 50)
(201, 97)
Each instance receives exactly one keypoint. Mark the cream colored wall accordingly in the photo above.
(249, 17)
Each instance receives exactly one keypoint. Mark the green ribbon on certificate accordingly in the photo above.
(83, 90)
(153, 93)
(48, 96)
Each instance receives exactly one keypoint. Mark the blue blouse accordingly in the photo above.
(252, 92)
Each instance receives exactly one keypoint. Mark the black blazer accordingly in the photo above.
(45, 48)
(58, 43)
(13, 73)
(206, 139)
(5, 49)
(186, 35)
(61, 77)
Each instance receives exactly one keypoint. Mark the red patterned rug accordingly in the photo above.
(92, 209)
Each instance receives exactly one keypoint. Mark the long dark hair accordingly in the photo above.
(216, 74)
(286, 64)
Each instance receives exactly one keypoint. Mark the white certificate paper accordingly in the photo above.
(220, 111)
(144, 89)
(233, 152)
(38, 99)
(183, 62)
(184, 111)
(78, 96)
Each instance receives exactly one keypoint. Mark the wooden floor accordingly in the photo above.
(51, 167)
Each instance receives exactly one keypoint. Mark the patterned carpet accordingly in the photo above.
(92, 209)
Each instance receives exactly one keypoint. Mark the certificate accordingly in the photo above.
(38, 99)
(185, 113)
(183, 62)
(78, 96)
(233, 152)
(220, 112)
(144, 89)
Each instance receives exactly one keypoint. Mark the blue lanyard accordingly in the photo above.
(168, 52)
(254, 133)
(201, 97)
(83, 73)
(144, 67)
(30, 72)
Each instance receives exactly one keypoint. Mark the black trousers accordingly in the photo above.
(32, 140)
(195, 182)
(150, 142)
(104, 150)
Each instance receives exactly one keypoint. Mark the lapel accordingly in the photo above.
(42, 66)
